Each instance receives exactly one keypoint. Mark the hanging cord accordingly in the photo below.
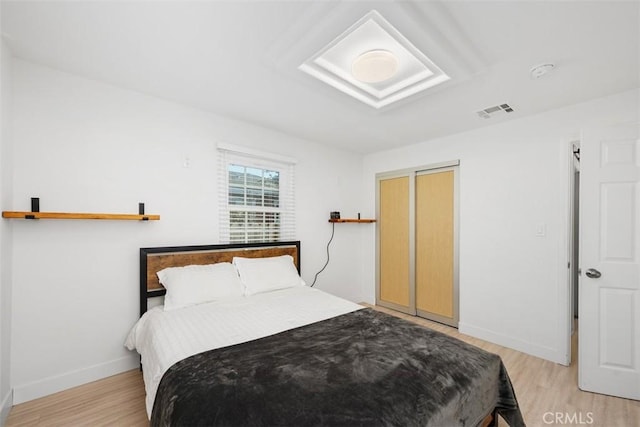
(333, 229)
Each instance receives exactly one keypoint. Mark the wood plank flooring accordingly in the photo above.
(113, 401)
(547, 392)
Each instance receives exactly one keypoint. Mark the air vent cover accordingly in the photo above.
(487, 113)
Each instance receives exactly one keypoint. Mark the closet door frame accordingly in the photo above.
(412, 174)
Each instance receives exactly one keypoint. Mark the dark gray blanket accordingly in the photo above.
(364, 368)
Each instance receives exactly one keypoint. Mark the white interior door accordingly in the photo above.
(609, 331)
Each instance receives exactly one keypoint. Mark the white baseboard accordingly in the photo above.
(542, 352)
(5, 407)
(25, 392)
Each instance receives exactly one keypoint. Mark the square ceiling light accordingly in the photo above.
(374, 63)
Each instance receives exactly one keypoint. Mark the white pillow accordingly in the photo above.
(267, 274)
(195, 284)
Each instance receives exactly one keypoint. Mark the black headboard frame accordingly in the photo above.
(231, 248)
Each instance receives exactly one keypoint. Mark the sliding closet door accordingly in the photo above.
(416, 257)
(435, 251)
(394, 270)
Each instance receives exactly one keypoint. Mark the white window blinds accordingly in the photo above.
(257, 196)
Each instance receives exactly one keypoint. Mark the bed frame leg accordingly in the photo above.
(490, 420)
(494, 419)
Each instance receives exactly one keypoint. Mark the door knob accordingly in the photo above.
(592, 273)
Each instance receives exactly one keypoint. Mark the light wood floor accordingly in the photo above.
(543, 389)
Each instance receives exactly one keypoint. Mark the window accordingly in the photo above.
(257, 197)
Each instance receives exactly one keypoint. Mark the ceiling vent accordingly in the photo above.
(487, 113)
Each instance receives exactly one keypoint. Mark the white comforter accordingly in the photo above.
(165, 337)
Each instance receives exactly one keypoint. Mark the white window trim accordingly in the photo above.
(232, 154)
(251, 152)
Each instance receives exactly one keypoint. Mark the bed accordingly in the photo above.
(277, 352)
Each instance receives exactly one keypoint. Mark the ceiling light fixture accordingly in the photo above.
(374, 63)
(540, 70)
(374, 66)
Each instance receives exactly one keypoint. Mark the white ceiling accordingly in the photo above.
(241, 59)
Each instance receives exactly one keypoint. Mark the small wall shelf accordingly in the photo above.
(75, 215)
(35, 213)
(352, 220)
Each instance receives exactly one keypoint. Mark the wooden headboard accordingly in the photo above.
(153, 260)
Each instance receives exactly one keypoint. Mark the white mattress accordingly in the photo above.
(165, 337)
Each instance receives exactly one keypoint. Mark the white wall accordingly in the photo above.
(81, 145)
(6, 399)
(513, 177)
(85, 146)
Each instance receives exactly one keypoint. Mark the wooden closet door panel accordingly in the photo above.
(435, 243)
(394, 241)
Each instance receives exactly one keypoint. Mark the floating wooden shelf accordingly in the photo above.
(352, 220)
(74, 215)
